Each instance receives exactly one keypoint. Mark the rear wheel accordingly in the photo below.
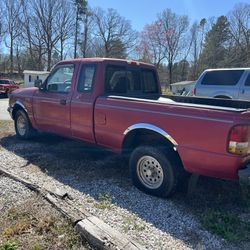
(23, 126)
(155, 171)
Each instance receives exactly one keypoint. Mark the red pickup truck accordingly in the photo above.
(7, 86)
(118, 104)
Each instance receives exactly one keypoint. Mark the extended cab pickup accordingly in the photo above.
(118, 104)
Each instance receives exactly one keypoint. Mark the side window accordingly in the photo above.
(61, 79)
(247, 82)
(86, 78)
(222, 77)
(116, 79)
(149, 81)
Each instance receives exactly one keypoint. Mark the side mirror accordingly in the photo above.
(39, 84)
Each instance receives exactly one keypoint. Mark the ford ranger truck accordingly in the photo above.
(117, 104)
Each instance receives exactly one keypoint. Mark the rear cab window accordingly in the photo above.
(130, 80)
(222, 77)
(86, 78)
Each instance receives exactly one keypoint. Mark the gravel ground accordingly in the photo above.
(99, 181)
(4, 102)
(29, 222)
(12, 192)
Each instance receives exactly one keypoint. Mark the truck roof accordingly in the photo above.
(111, 60)
(219, 69)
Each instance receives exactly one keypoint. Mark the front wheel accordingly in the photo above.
(154, 170)
(23, 126)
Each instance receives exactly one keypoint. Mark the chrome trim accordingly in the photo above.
(152, 128)
(165, 113)
(10, 109)
(165, 100)
(20, 104)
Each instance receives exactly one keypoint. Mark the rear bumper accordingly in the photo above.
(244, 175)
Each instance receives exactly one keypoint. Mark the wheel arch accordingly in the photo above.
(223, 96)
(18, 106)
(143, 133)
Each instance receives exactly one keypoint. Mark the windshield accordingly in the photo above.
(5, 82)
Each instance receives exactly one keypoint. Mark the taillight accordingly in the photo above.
(194, 90)
(239, 140)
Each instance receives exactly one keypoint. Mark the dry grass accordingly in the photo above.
(6, 128)
(35, 225)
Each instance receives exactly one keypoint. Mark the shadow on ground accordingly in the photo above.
(85, 167)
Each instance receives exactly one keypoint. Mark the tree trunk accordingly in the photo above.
(170, 68)
(11, 55)
(61, 50)
(85, 36)
(49, 59)
(76, 33)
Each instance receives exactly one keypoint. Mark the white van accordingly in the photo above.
(230, 83)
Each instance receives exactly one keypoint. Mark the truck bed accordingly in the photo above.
(199, 102)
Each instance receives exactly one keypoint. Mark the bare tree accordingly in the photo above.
(239, 19)
(115, 32)
(13, 25)
(65, 25)
(81, 14)
(172, 30)
(33, 37)
(1, 25)
(197, 32)
(46, 12)
(149, 48)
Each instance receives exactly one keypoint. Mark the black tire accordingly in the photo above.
(167, 175)
(25, 131)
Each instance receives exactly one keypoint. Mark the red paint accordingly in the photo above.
(201, 133)
(8, 86)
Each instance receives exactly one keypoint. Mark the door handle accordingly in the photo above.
(63, 102)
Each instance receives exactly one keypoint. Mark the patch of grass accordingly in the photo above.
(46, 224)
(37, 246)
(225, 224)
(105, 201)
(105, 197)
(9, 245)
(6, 127)
(17, 229)
(131, 222)
(36, 226)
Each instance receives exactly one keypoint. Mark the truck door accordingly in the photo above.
(51, 106)
(82, 104)
(245, 90)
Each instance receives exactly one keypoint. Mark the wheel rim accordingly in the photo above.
(21, 125)
(150, 172)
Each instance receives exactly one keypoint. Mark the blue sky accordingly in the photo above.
(141, 12)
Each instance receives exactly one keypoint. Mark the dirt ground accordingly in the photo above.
(4, 102)
(32, 224)
(27, 222)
